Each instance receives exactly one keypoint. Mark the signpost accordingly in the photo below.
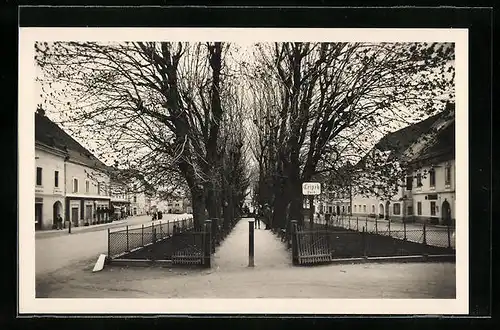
(311, 189)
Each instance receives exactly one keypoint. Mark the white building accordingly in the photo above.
(70, 181)
(427, 150)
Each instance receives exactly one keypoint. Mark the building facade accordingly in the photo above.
(427, 193)
(70, 181)
(49, 185)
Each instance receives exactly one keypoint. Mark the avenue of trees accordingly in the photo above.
(197, 115)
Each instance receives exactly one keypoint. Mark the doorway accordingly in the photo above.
(38, 216)
(74, 216)
(56, 210)
(446, 213)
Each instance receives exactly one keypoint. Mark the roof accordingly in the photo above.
(48, 133)
(398, 142)
(442, 146)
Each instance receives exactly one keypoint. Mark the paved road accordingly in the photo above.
(61, 249)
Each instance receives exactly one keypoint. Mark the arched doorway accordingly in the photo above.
(387, 205)
(446, 213)
(56, 210)
(381, 210)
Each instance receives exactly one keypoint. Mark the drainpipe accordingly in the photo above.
(66, 202)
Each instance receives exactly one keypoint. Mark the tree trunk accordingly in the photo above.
(198, 200)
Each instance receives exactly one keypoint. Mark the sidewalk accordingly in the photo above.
(86, 229)
(269, 252)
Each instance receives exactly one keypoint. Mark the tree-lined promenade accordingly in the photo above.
(214, 117)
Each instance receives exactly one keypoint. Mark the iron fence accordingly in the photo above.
(350, 239)
(134, 237)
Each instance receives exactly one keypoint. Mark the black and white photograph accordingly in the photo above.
(244, 170)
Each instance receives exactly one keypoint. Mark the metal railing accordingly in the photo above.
(352, 238)
(134, 237)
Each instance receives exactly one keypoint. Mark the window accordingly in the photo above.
(364, 208)
(396, 209)
(355, 208)
(447, 175)
(410, 210)
(75, 185)
(419, 180)
(373, 209)
(87, 186)
(419, 208)
(409, 182)
(56, 179)
(38, 176)
(432, 178)
(433, 208)
(135, 199)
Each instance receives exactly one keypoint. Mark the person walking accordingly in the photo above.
(257, 220)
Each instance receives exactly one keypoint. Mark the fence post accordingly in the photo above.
(376, 226)
(215, 224)
(449, 236)
(168, 227)
(109, 247)
(142, 235)
(357, 224)
(295, 247)
(389, 227)
(161, 230)
(251, 226)
(207, 249)
(425, 235)
(363, 241)
(153, 233)
(349, 222)
(404, 229)
(127, 239)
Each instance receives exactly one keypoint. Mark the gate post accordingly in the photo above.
(251, 242)
(215, 228)
(207, 248)
(295, 247)
(127, 240)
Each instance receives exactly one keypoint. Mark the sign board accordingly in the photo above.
(311, 188)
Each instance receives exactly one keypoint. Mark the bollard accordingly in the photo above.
(207, 248)
(251, 243)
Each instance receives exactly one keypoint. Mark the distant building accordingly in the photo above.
(70, 181)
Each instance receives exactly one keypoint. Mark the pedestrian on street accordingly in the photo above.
(59, 222)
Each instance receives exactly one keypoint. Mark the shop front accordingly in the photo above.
(86, 211)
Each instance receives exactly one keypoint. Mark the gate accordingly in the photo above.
(189, 248)
(313, 247)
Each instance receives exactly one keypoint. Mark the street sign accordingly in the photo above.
(311, 188)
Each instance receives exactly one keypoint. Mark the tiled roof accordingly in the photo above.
(48, 133)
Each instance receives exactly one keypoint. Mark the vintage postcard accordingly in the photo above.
(243, 170)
